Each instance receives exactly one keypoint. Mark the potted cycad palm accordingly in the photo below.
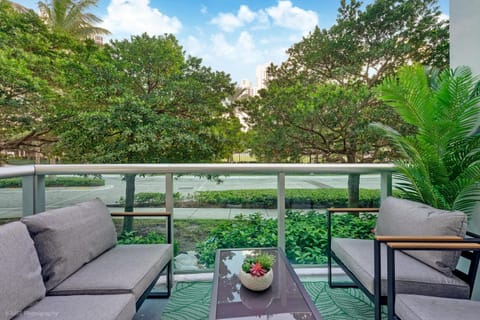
(440, 163)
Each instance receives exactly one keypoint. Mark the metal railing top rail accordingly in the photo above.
(17, 171)
(214, 168)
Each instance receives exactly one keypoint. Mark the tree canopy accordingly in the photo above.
(159, 106)
(30, 79)
(319, 102)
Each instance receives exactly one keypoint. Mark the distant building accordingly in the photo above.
(98, 39)
(262, 77)
(246, 85)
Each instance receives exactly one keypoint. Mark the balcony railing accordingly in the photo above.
(34, 195)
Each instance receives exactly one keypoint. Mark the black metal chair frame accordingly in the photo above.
(473, 255)
(377, 299)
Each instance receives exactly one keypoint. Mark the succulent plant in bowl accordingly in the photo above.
(257, 273)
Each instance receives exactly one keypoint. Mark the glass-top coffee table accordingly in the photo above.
(285, 299)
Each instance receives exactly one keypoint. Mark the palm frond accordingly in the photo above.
(440, 163)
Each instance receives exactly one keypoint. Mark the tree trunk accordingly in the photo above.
(353, 190)
(129, 199)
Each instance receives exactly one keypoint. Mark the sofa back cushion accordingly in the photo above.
(405, 217)
(67, 238)
(21, 281)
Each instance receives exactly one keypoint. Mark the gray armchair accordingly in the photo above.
(430, 273)
(421, 307)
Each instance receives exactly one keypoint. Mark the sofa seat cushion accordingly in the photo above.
(122, 269)
(69, 237)
(21, 281)
(102, 307)
(412, 276)
(415, 307)
(408, 218)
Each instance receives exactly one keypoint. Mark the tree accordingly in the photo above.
(70, 16)
(160, 107)
(319, 102)
(440, 163)
(30, 79)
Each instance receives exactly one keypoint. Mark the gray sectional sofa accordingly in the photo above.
(65, 264)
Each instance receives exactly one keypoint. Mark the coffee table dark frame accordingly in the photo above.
(290, 273)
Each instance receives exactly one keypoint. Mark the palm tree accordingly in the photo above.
(69, 16)
(441, 161)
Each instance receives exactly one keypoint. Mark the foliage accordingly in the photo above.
(56, 182)
(11, 183)
(440, 163)
(319, 102)
(305, 198)
(73, 182)
(263, 260)
(131, 237)
(30, 79)
(305, 234)
(70, 16)
(150, 199)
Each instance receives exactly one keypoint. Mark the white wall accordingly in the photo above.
(465, 34)
(465, 50)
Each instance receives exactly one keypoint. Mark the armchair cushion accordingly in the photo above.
(412, 276)
(409, 218)
(20, 272)
(416, 307)
(69, 237)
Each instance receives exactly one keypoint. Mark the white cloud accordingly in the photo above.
(229, 22)
(134, 17)
(288, 16)
(195, 47)
(203, 9)
(284, 15)
(245, 14)
(238, 55)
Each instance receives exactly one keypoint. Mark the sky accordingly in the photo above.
(234, 36)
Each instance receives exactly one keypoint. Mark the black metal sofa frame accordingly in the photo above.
(148, 294)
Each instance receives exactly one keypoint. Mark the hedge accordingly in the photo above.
(56, 182)
(294, 198)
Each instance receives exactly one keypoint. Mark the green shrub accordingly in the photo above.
(56, 182)
(305, 234)
(294, 198)
(152, 237)
(150, 199)
(11, 183)
(74, 182)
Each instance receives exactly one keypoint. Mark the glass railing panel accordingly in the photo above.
(11, 201)
(307, 198)
(223, 211)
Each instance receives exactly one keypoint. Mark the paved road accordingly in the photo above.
(114, 189)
